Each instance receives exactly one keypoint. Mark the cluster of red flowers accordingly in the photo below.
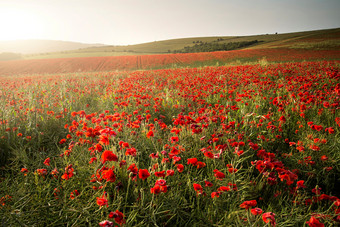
(209, 127)
(267, 217)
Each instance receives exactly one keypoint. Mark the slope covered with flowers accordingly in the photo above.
(144, 62)
(214, 146)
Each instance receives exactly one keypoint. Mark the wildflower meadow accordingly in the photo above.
(239, 145)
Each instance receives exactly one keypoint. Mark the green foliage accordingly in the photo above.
(215, 46)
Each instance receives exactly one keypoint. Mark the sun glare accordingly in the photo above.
(18, 24)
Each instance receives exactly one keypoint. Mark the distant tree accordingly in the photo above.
(215, 46)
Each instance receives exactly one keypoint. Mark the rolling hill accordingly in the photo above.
(318, 40)
(328, 39)
(274, 40)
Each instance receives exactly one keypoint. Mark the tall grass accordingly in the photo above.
(54, 127)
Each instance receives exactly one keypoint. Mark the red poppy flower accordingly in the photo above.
(247, 204)
(223, 189)
(143, 174)
(192, 161)
(256, 211)
(232, 170)
(102, 201)
(233, 185)
(170, 172)
(104, 140)
(282, 119)
(62, 141)
(47, 161)
(160, 174)
(155, 190)
(154, 156)
(164, 189)
(317, 190)
(330, 130)
(200, 165)
(98, 147)
(180, 168)
(109, 175)
(175, 151)
(131, 151)
(68, 172)
(198, 188)
(118, 216)
(254, 146)
(133, 168)
(269, 217)
(92, 160)
(337, 202)
(42, 172)
(54, 173)
(109, 156)
(160, 182)
(106, 223)
(174, 139)
(150, 134)
(215, 194)
(219, 175)
(300, 184)
(208, 154)
(208, 184)
(74, 194)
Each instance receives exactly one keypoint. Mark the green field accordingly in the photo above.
(320, 39)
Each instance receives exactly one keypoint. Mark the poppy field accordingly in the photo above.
(250, 145)
(162, 61)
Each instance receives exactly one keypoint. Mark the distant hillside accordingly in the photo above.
(41, 46)
(327, 39)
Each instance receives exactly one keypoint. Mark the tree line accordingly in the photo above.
(215, 46)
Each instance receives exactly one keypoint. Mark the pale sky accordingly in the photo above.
(121, 22)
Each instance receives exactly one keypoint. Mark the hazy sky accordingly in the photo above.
(120, 22)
